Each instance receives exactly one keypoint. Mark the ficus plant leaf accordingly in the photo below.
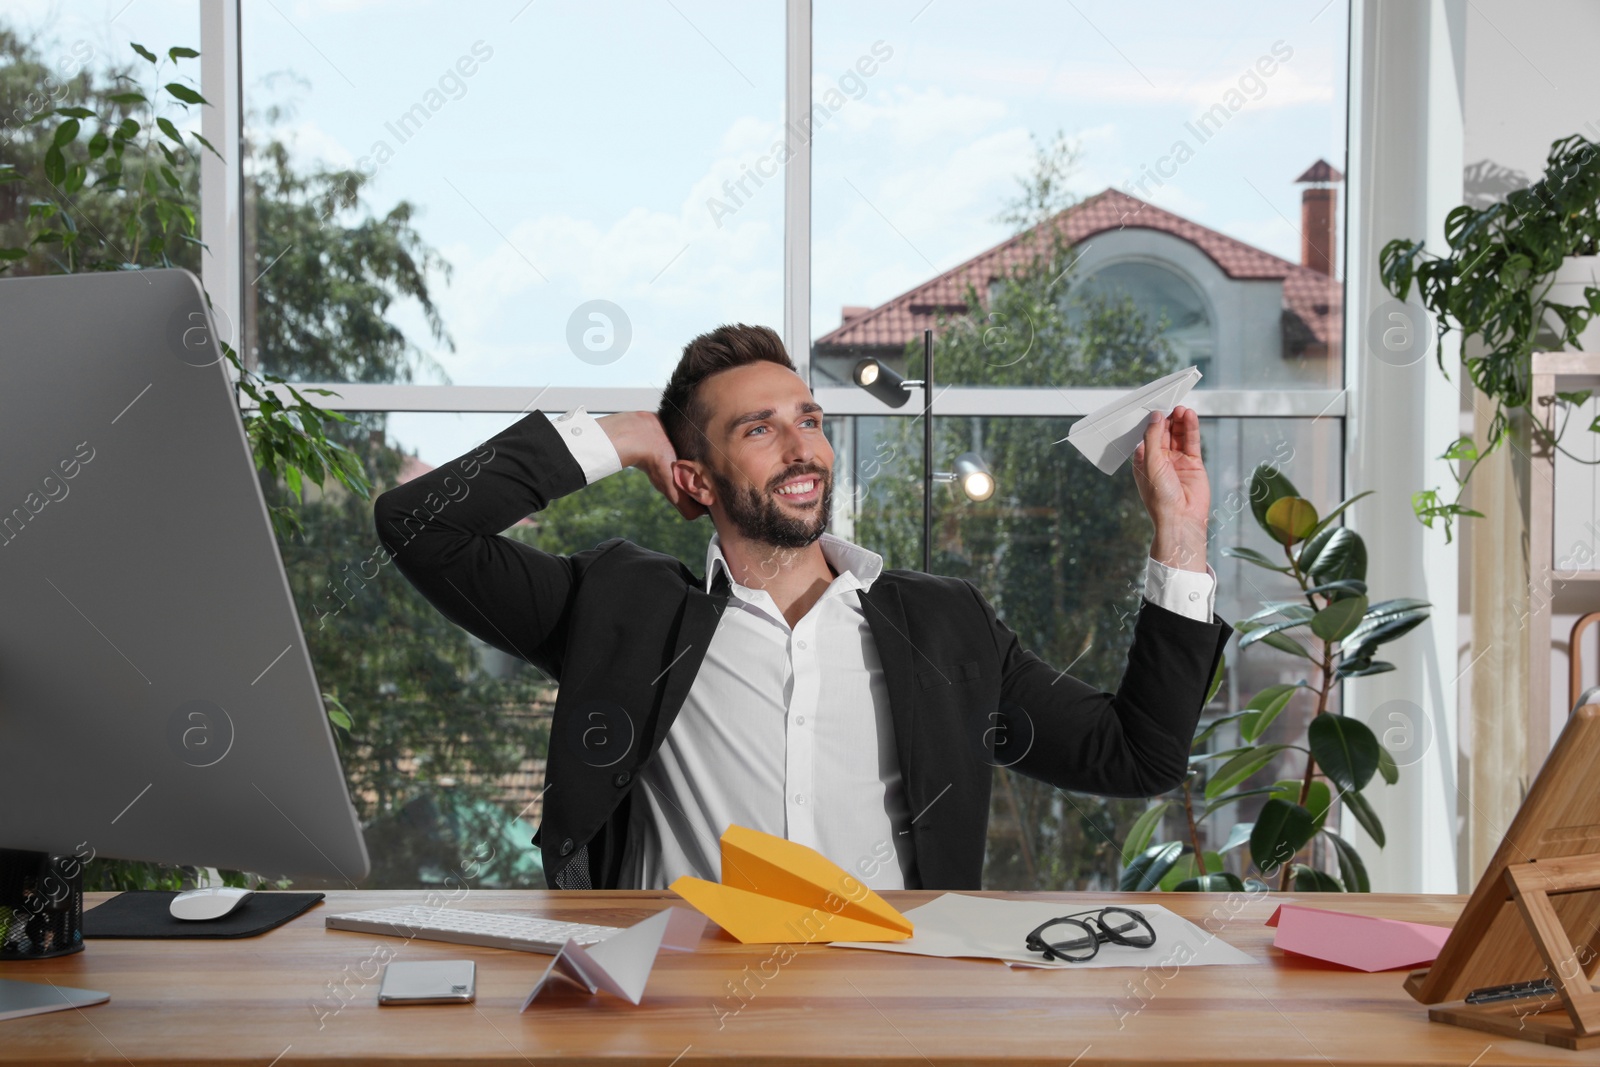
(1149, 867)
(1365, 816)
(1345, 749)
(1250, 555)
(1352, 871)
(1281, 830)
(1217, 882)
(1144, 827)
(1307, 557)
(1264, 707)
(1291, 519)
(1240, 767)
(1187, 868)
(1343, 556)
(1284, 643)
(1267, 486)
(1339, 618)
(1310, 880)
(1319, 798)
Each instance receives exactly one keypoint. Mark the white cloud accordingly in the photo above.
(673, 272)
(910, 117)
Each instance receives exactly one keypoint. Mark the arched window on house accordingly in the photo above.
(1158, 291)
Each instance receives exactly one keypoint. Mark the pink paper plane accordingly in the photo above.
(1358, 941)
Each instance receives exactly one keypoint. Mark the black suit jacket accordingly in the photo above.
(624, 630)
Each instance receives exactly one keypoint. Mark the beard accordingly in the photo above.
(759, 516)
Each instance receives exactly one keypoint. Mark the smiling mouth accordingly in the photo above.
(800, 490)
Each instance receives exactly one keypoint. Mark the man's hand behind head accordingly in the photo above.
(641, 442)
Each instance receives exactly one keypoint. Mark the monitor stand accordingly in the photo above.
(41, 905)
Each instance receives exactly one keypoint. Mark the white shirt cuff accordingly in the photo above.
(1187, 593)
(587, 441)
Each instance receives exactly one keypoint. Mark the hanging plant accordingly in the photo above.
(1494, 284)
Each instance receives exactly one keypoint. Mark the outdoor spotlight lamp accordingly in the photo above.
(882, 382)
(972, 474)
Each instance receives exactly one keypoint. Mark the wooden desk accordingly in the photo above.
(306, 995)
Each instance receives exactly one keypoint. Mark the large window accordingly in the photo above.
(452, 214)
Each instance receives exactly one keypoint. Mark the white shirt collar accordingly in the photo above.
(842, 556)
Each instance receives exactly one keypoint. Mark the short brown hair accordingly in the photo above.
(682, 413)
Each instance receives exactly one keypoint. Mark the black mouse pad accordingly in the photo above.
(145, 913)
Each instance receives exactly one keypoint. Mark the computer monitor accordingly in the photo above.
(157, 701)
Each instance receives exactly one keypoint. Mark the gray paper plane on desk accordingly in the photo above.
(1109, 435)
(34, 998)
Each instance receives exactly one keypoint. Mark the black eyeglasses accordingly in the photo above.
(1074, 939)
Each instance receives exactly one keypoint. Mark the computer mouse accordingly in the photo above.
(212, 903)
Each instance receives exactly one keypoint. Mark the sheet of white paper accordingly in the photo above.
(959, 925)
(1108, 435)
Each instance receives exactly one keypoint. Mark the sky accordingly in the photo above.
(562, 155)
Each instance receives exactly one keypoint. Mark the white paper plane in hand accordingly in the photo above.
(1108, 436)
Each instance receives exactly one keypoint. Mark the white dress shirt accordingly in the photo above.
(786, 729)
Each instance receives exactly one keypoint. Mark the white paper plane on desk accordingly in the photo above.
(621, 964)
(1108, 436)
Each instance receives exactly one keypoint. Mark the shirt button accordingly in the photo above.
(799, 798)
(566, 847)
(1194, 596)
(800, 720)
(802, 644)
(576, 430)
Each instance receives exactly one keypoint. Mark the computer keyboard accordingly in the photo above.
(519, 932)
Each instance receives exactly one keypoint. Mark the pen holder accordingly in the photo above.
(41, 905)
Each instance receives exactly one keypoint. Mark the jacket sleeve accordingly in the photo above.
(443, 528)
(1131, 743)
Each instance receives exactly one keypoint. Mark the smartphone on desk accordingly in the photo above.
(429, 982)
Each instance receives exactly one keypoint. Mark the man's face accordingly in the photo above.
(769, 464)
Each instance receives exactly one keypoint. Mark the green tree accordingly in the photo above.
(327, 275)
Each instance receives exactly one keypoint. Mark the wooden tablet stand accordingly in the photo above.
(1542, 885)
(1568, 1018)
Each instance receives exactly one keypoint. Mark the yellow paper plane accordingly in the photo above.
(775, 890)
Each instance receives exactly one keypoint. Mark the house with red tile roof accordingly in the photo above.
(1245, 317)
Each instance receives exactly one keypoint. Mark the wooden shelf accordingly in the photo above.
(1552, 371)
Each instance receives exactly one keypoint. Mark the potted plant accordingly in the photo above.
(1337, 630)
(1498, 282)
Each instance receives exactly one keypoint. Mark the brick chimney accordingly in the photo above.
(1319, 212)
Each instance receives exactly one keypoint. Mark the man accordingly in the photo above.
(797, 687)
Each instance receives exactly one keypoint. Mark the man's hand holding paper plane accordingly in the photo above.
(1163, 438)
